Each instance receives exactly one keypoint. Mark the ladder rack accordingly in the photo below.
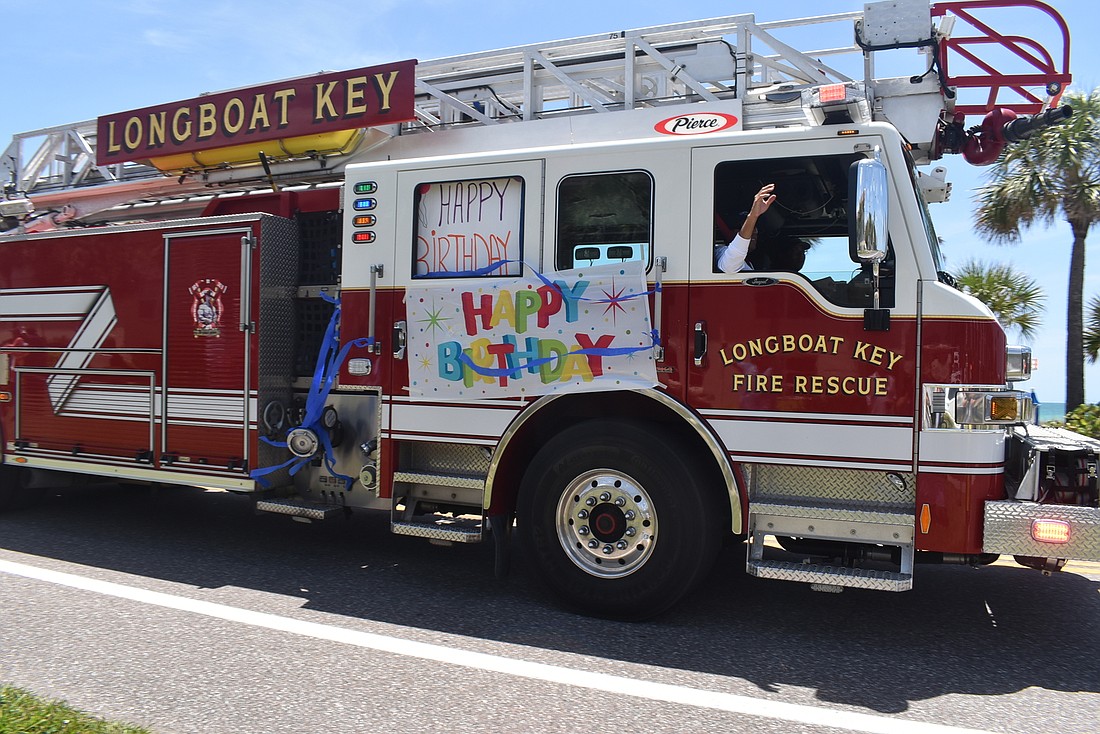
(731, 57)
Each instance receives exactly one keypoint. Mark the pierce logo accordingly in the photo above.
(699, 123)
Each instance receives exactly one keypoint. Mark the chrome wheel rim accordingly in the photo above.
(606, 524)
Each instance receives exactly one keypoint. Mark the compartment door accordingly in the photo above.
(207, 402)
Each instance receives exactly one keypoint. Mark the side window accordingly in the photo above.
(604, 218)
(465, 228)
(804, 231)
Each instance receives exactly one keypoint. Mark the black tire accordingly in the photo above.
(616, 519)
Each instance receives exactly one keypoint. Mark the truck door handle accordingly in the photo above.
(700, 342)
(399, 339)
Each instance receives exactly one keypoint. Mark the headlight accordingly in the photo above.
(975, 406)
(984, 408)
(1019, 364)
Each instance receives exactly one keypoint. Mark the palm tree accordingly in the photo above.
(1092, 330)
(1015, 298)
(1054, 173)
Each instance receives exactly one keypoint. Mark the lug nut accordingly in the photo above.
(582, 514)
(621, 545)
(582, 530)
(607, 550)
(630, 515)
(631, 532)
(620, 502)
(593, 544)
(605, 496)
(591, 502)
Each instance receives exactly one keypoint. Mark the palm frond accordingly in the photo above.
(1014, 297)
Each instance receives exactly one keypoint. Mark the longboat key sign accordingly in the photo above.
(324, 103)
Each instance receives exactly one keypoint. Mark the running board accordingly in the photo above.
(829, 578)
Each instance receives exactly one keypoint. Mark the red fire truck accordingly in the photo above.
(481, 294)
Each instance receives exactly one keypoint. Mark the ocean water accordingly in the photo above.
(1051, 412)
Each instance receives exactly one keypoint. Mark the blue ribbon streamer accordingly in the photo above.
(329, 359)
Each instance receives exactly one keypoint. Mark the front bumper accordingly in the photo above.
(1008, 530)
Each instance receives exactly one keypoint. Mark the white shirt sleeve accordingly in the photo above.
(731, 258)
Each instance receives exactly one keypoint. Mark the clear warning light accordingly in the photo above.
(1050, 531)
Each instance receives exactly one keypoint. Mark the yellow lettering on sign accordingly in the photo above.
(837, 385)
(875, 355)
(208, 120)
(356, 92)
(131, 134)
(283, 97)
(233, 116)
(386, 86)
(323, 108)
(757, 383)
(112, 144)
(259, 114)
(157, 126)
(181, 134)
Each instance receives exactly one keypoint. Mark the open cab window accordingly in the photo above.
(806, 230)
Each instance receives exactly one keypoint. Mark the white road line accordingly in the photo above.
(619, 685)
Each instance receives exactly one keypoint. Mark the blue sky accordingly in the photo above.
(72, 60)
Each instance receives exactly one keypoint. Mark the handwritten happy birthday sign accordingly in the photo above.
(585, 329)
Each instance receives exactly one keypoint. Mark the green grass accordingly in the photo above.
(24, 713)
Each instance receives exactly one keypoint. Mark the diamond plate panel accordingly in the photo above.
(857, 578)
(1008, 530)
(814, 485)
(839, 514)
(445, 458)
(297, 508)
(462, 482)
(455, 533)
(278, 256)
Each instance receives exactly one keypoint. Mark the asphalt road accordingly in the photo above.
(185, 612)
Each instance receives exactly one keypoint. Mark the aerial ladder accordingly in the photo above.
(51, 179)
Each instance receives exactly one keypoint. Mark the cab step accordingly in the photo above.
(458, 498)
(439, 527)
(878, 532)
(831, 578)
(298, 508)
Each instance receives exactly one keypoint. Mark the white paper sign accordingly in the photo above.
(586, 329)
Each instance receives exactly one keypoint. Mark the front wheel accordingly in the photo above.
(617, 520)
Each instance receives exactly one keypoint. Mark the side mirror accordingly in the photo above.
(868, 202)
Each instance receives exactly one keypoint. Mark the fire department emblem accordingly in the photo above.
(207, 307)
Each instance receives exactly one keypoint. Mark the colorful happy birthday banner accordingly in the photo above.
(586, 329)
